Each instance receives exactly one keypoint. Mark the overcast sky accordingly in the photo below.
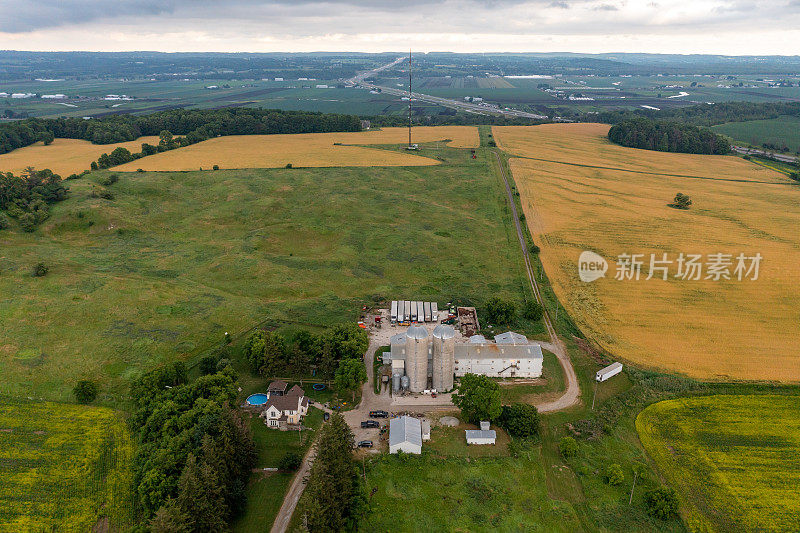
(664, 26)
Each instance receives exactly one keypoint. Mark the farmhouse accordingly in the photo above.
(285, 410)
(405, 434)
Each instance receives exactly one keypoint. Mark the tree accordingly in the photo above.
(85, 391)
(568, 447)
(208, 364)
(661, 503)
(534, 249)
(478, 397)
(40, 270)
(681, 201)
(499, 312)
(265, 352)
(520, 420)
(350, 375)
(290, 462)
(200, 497)
(613, 474)
(170, 518)
(532, 310)
(5, 222)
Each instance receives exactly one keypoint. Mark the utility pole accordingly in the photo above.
(596, 384)
(409, 98)
(635, 475)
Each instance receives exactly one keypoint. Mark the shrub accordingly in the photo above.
(94, 165)
(208, 364)
(27, 221)
(534, 249)
(288, 165)
(5, 222)
(72, 177)
(290, 462)
(40, 270)
(520, 420)
(85, 391)
(499, 311)
(613, 474)
(522, 216)
(681, 201)
(568, 447)
(215, 167)
(139, 170)
(492, 143)
(662, 503)
(109, 180)
(532, 311)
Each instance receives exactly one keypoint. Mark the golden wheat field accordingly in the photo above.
(726, 329)
(64, 156)
(305, 150)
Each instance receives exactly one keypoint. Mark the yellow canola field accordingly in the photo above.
(726, 329)
(64, 156)
(305, 150)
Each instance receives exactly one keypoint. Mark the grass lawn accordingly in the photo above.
(732, 459)
(551, 383)
(177, 259)
(63, 467)
(266, 489)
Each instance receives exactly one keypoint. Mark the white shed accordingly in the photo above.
(479, 436)
(405, 434)
(608, 372)
(426, 429)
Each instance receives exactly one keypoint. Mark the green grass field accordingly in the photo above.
(63, 467)
(781, 131)
(732, 459)
(177, 259)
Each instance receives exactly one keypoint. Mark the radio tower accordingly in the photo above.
(409, 99)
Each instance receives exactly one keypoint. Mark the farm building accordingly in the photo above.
(481, 436)
(405, 434)
(433, 359)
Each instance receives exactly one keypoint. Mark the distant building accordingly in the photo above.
(284, 410)
(481, 436)
(278, 79)
(54, 96)
(22, 95)
(405, 434)
(322, 86)
(366, 124)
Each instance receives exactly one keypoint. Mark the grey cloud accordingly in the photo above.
(562, 5)
(606, 7)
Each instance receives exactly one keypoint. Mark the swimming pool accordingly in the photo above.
(257, 399)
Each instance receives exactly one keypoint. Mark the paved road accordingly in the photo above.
(572, 394)
(461, 105)
(770, 155)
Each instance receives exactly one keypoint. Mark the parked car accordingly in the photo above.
(378, 414)
(370, 424)
(365, 444)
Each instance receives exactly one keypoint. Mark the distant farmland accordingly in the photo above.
(305, 150)
(724, 329)
(732, 459)
(777, 132)
(64, 156)
(63, 467)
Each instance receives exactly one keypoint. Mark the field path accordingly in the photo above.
(572, 393)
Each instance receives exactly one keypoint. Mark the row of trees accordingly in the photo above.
(28, 197)
(705, 114)
(195, 451)
(334, 498)
(500, 312)
(197, 125)
(478, 397)
(269, 353)
(668, 137)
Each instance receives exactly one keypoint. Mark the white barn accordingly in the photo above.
(405, 434)
(499, 360)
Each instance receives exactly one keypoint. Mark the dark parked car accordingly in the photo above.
(378, 414)
(365, 444)
(370, 424)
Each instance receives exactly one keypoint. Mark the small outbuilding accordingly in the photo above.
(426, 429)
(405, 434)
(481, 436)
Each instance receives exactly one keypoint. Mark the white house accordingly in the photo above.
(405, 434)
(481, 436)
(284, 410)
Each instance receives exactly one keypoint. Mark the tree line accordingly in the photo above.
(196, 125)
(194, 452)
(27, 198)
(703, 114)
(668, 137)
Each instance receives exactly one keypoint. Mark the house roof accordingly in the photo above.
(405, 429)
(296, 391)
(491, 350)
(278, 385)
(283, 403)
(480, 434)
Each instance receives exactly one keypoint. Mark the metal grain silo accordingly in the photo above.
(417, 358)
(443, 357)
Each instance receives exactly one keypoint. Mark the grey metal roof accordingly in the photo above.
(478, 339)
(511, 337)
(498, 351)
(405, 429)
(417, 332)
(400, 338)
(444, 332)
(481, 434)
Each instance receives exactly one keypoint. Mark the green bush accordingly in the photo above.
(534, 249)
(662, 503)
(5, 222)
(499, 312)
(208, 365)
(290, 462)
(27, 221)
(215, 167)
(40, 270)
(288, 165)
(109, 180)
(568, 447)
(85, 391)
(520, 420)
(532, 311)
(613, 474)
